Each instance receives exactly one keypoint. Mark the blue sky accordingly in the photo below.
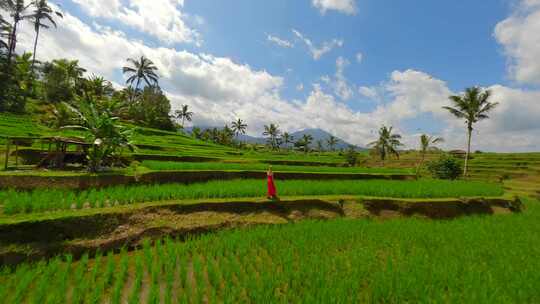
(252, 60)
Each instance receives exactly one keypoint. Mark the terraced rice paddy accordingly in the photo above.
(191, 166)
(469, 260)
(46, 200)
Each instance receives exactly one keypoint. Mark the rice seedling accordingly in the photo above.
(49, 199)
(79, 282)
(217, 166)
(476, 259)
(119, 278)
(135, 294)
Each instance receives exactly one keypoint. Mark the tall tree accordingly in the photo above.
(98, 86)
(184, 114)
(304, 142)
(16, 9)
(427, 143)
(287, 139)
(62, 79)
(320, 147)
(239, 127)
(387, 143)
(142, 69)
(472, 106)
(196, 132)
(42, 13)
(5, 31)
(272, 132)
(332, 141)
(225, 136)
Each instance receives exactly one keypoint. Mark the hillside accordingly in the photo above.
(317, 134)
(155, 144)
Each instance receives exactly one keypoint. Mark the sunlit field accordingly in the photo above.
(49, 200)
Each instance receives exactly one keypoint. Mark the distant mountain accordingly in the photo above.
(317, 134)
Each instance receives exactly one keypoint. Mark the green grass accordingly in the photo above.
(488, 259)
(158, 142)
(41, 200)
(180, 166)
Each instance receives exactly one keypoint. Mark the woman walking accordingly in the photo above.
(272, 193)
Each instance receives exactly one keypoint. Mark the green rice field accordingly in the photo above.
(191, 166)
(46, 200)
(469, 260)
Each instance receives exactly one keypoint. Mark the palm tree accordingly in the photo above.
(320, 145)
(239, 127)
(287, 138)
(16, 10)
(5, 31)
(196, 132)
(143, 69)
(427, 143)
(473, 106)
(387, 143)
(304, 142)
(332, 142)
(272, 131)
(98, 86)
(42, 12)
(184, 114)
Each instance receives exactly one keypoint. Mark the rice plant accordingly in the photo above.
(222, 166)
(469, 260)
(50, 200)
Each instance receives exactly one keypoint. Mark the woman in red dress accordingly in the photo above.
(272, 193)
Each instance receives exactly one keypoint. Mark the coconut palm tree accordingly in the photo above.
(5, 31)
(142, 69)
(387, 143)
(98, 86)
(304, 142)
(320, 147)
(427, 143)
(239, 127)
(196, 132)
(287, 139)
(16, 9)
(472, 106)
(184, 114)
(332, 141)
(272, 131)
(42, 13)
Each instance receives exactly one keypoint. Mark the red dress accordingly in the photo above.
(271, 186)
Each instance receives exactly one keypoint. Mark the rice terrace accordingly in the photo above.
(313, 151)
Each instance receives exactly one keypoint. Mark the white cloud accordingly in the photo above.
(413, 93)
(359, 57)
(220, 90)
(369, 92)
(341, 85)
(279, 42)
(300, 87)
(344, 6)
(163, 19)
(318, 52)
(519, 36)
(513, 125)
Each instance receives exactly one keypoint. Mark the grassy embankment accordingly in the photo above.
(157, 142)
(477, 259)
(41, 200)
